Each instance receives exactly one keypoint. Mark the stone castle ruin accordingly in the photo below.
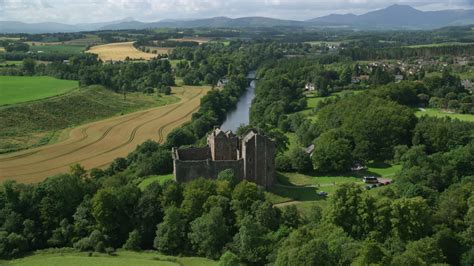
(251, 157)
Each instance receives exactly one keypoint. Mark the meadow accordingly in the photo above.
(119, 52)
(119, 258)
(18, 89)
(57, 48)
(97, 144)
(439, 113)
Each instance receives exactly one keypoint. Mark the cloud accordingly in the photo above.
(79, 11)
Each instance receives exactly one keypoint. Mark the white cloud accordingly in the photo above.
(79, 11)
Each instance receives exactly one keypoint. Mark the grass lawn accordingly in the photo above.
(302, 189)
(17, 89)
(58, 48)
(125, 258)
(155, 178)
(440, 113)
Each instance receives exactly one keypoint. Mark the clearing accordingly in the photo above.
(119, 52)
(125, 258)
(97, 144)
(302, 189)
(18, 89)
(439, 113)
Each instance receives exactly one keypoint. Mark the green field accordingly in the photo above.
(438, 44)
(302, 189)
(11, 63)
(18, 89)
(41, 122)
(440, 113)
(58, 48)
(155, 178)
(125, 258)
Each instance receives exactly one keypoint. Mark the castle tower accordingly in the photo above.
(258, 153)
(223, 145)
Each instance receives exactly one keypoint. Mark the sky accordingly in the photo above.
(86, 11)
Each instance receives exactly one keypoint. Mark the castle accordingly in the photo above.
(251, 157)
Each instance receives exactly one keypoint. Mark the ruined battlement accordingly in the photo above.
(251, 157)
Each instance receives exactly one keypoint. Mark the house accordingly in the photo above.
(222, 82)
(309, 86)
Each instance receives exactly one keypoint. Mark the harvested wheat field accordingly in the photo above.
(119, 52)
(97, 144)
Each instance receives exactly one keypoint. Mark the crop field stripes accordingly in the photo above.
(97, 144)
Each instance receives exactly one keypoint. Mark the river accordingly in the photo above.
(241, 114)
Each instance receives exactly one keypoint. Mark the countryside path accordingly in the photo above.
(97, 144)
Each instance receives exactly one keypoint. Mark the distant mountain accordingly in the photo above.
(398, 17)
(392, 17)
(216, 22)
(32, 28)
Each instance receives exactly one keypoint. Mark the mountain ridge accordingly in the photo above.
(392, 17)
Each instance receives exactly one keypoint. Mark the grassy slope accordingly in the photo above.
(440, 113)
(124, 258)
(17, 89)
(155, 178)
(36, 123)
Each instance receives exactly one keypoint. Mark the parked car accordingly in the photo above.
(322, 193)
(370, 179)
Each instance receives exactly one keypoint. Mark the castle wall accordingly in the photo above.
(185, 171)
(194, 154)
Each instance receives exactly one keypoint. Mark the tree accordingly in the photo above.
(195, 195)
(133, 242)
(332, 152)
(228, 175)
(229, 259)
(300, 160)
(171, 233)
(251, 242)
(28, 66)
(243, 196)
(422, 252)
(411, 218)
(209, 233)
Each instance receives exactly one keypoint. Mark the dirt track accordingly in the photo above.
(99, 143)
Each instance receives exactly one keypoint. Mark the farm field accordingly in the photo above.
(44, 121)
(199, 40)
(124, 258)
(159, 50)
(119, 52)
(18, 89)
(440, 113)
(438, 44)
(96, 144)
(57, 48)
(11, 63)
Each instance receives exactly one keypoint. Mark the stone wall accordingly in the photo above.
(185, 171)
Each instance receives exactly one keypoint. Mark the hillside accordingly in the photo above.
(37, 123)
